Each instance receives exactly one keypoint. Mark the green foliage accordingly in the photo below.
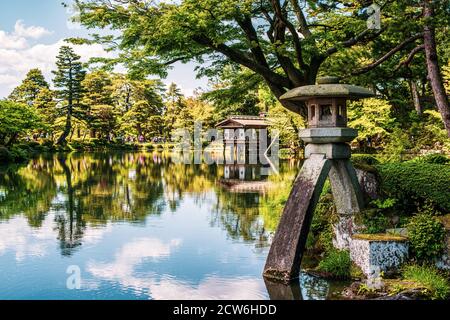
(69, 76)
(397, 144)
(5, 155)
(426, 235)
(30, 89)
(364, 162)
(97, 88)
(427, 276)
(103, 119)
(372, 118)
(286, 123)
(412, 182)
(375, 221)
(237, 93)
(337, 263)
(427, 132)
(433, 158)
(385, 203)
(321, 226)
(365, 159)
(272, 205)
(16, 119)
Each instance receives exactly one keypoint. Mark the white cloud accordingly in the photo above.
(11, 41)
(18, 39)
(33, 32)
(18, 55)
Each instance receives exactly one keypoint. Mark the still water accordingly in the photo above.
(140, 226)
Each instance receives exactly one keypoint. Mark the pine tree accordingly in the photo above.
(174, 106)
(68, 78)
(30, 88)
(97, 87)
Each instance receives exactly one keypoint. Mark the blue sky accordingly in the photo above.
(31, 32)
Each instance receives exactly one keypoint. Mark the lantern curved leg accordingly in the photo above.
(348, 199)
(345, 187)
(285, 255)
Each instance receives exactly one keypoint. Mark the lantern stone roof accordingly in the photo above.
(251, 122)
(327, 87)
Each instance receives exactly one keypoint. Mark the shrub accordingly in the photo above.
(20, 153)
(365, 159)
(412, 182)
(48, 143)
(337, 263)
(364, 162)
(99, 142)
(432, 158)
(325, 239)
(397, 143)
(426, 235)
(77, 145)
(5, 155)
(429, 277)
(374, 221)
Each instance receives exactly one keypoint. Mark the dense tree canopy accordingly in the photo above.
(251, 52)
(286, 43)
(30, 89)
(16, 119)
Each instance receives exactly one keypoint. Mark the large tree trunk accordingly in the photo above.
(434, 73)
(63, 138)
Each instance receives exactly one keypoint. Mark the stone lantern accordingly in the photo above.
(327, 155)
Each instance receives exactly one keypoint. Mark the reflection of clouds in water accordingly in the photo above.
(17, 236)
(94, 235)
(132, 254)
(313, 288)
(211, 288)
(122, 270)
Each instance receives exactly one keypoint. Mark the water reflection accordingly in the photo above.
(140, 226)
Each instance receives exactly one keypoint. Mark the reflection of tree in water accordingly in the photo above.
(70, 223)
(27, 190)
(85, 190)
(238, 214)
(180, 179)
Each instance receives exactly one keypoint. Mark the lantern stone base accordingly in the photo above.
(378, 253)
(328, 135)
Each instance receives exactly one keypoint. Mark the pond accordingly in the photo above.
(140, 226)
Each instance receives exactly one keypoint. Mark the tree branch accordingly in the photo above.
(388, 54)
(355, 40)
(279, 37)
(410, 57)
(240, 58)
(304, 29)
(255, 47)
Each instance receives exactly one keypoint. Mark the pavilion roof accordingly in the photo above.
(243, 122)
